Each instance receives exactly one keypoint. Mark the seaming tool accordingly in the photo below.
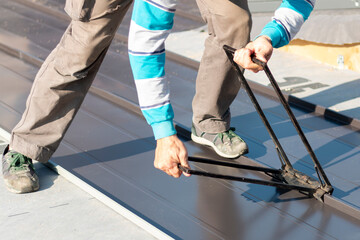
(287, 177)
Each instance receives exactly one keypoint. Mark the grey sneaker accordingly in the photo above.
(227, 144)
(19, 173)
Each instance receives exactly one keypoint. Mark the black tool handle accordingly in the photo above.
(248, 180)
(285, 104)
(258, 62)
(253, 58)
(282, 155)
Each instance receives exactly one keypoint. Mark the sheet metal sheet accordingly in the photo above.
(121, 166)
(112, 70)
(112, 149)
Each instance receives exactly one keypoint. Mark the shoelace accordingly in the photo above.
(230, 134)
(20, 162)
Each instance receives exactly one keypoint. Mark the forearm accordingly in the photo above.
(287, 21)
(151, 23)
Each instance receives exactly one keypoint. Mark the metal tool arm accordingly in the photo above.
(325, 183)
(287, 177)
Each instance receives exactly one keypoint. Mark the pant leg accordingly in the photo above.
(65, 77)
(229, 22)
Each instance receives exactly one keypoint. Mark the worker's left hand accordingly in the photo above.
(261, 48)
(170, 151)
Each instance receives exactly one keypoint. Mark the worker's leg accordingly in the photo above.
(229, 22)
(66, 75)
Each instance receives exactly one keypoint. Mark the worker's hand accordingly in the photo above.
(261, 48)
(170, 151)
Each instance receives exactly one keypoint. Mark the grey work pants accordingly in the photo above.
(66, 75)
(229, 22)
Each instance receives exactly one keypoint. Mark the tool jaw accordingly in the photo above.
(295, 177)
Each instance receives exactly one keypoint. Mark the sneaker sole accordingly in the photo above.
(13, 190)
(206, 142)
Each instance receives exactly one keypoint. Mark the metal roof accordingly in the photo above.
(110, 147)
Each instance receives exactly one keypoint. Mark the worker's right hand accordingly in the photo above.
(261, 48)
(170, 151)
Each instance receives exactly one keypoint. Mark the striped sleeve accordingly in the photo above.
(151, 23)
(287, 21)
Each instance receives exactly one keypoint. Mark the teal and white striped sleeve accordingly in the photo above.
(287, 21)
(151, 23)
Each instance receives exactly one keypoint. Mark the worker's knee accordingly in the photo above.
(87, 10)
(75, 55)
(234, 28)
(240, 27)
(229, 22)
(93, 26)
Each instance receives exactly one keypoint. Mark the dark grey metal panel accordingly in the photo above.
(125, 159)
(182, 89)
(114, 154)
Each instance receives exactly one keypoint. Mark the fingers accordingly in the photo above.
(261, 48)
(183, 159)
(175, 172)
(171, 170)
(170, 151)
(261, 57)
(243, 58)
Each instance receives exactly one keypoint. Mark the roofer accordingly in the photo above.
(66, 75)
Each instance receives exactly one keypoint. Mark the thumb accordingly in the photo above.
(261, 55)
(184, 162)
